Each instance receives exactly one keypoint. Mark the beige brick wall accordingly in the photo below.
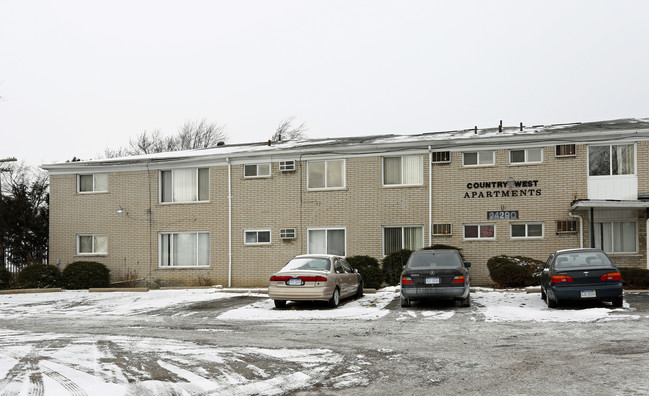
(363, 208)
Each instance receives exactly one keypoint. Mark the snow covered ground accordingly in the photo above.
(57, 363)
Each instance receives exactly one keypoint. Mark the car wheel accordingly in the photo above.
(466, 302)
(543, 295)
(359, 292)
(551, 303)
(617, 302)
(280, 303)
(335, 298)
(405, 302)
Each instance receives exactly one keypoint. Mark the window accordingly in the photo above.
(403, 171)
(326, 241)
(478, 158)
(185, 249)
(92, 244)
(479, 231)
(185, 185)
(616, 236)
(397, 238)
(326, 174)
(526, 156)
(442, 229)
(256, 170)
(287, 166)
(97, 182)
(566, 226)
(611, 160)
(526, 230)
(441, 157)
(565, 150)
(257, 237)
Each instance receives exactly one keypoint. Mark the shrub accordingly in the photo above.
(393, 265)
(84, 275)
(369, 268)
(5, 278)
(518, 271)
(635, 278)
(38, 276)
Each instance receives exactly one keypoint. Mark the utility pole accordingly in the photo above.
(2, 247)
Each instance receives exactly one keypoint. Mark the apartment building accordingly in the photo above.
(234, 214)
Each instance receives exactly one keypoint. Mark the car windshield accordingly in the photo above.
(582, 259)
(436, 260)
(308, 263)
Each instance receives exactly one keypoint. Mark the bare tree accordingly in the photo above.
(286, 131)
(200, 134)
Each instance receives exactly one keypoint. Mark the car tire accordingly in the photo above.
(466, 302)
(543, 295)
(335, 298)
(551, 303)
(280, 303)
(359, 292)
(618, 301)
(405, 302)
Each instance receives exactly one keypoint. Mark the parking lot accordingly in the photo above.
(206, 341)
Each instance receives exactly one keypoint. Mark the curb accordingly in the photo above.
(25, 291)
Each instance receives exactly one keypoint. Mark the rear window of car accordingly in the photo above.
(585, 259)
(313, 264)
(434, 260)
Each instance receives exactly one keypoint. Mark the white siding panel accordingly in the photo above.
(613, 187)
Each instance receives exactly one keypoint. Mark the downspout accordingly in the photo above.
(430, 196)
(647, 225)
(229, 222)
(592, 228)
(581, 228)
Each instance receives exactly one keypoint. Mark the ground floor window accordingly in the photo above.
(92, 244)
(185, 249)
(526, 230)
(257, 237)
(616, 236)
(479, 231)
(397, 238)
(326, 241)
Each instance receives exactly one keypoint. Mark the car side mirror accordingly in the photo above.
(467, 264)
(356, 270)
(403, 268)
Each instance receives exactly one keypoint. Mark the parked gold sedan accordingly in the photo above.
(315, 277)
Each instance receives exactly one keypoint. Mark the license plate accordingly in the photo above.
(432, 280)
(295, 282)
(588, 294)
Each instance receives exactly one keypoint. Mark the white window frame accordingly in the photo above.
(403, 170)
(478, 238)
(198, 186)
(526, 156)
(634, 221)
(256, 233)
(326, 171)
(610, 160)
(258, 175)
(527, 224)
(172, 248)
(479, 155)
(308, 238)
(450, 226)
(403, 236)
(95, 189)
(93, 252)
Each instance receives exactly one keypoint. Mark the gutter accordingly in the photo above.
(430, 196)
(581, 229)
(229, 222)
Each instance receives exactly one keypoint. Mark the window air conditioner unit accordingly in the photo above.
(287, 233)
(287, 166)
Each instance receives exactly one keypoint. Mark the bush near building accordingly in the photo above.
(39, 276)
(635, 278)
(393, 265)
(84, 275)
(515, 271)
(369, 268)
(5, 278)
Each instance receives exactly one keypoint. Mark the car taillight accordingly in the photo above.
(406, 281)
(611, 276)
(313, 278)
(275, 278)
(561, 279)
(458, 279)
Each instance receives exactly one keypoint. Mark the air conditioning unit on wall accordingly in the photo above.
(287, 233)
(287, 166)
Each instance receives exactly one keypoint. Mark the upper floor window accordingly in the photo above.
(397, 238)
(478, 158)
(185, 185)
(185, 249)
(403, 171)
(326, 174)
(565, 150)
(256, 170)
(526, 156)
(611, 160)
(441, 157)
(97, 182)
(326, 241)
(92, 244)
(257, 237)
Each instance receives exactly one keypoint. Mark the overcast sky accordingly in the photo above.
(79, 76)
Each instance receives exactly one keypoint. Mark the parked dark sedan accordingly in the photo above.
(435, 274)
(580, 274)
